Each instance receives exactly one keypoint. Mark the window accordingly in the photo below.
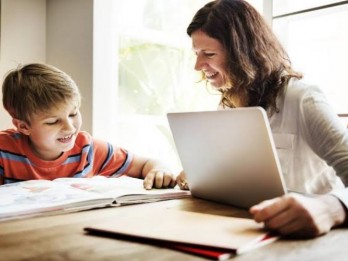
(156, 74)
(314, 34)
(286, 7)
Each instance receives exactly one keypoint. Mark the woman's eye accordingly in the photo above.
(209, 54)
(73, 114)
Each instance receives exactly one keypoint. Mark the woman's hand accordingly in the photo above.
(300, 215)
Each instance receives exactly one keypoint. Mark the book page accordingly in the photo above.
(35, 196)
(124, 189)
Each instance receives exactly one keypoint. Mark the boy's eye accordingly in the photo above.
(52, 123)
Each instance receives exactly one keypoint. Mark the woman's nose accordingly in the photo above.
(199, 63)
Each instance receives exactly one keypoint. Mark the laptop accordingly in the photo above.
(228, 156)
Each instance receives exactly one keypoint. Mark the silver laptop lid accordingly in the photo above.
(228, 155)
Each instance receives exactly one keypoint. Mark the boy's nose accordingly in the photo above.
(68, 125)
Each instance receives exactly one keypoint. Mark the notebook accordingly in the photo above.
(228, 156)
(212, 236)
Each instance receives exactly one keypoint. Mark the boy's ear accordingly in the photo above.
(21, 126)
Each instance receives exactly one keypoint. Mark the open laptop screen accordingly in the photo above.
(228, 155)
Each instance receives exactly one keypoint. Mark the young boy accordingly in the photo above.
(47, 143)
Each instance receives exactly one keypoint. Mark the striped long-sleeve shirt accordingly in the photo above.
(87, 158)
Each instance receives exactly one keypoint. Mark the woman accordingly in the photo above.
(240, 56)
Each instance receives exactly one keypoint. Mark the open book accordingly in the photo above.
(38, 197)
(211, 236)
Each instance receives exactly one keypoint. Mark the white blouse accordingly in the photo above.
(312, 142)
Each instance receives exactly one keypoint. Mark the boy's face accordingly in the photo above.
(54, 131)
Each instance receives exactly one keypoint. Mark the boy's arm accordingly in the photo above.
(154, 173)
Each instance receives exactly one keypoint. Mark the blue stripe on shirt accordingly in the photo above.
(77, 157)
(11, 180)
(88, 167)
(14, 157)
(108, 156)
(125, 165)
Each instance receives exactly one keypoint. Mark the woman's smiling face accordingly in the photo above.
(211, 58)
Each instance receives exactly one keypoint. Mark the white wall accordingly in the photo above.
(105, 67)
(23, 38)
(70, 47)
(58, 32)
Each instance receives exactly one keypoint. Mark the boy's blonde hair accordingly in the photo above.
(35, 88)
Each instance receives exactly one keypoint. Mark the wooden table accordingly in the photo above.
(62, 237)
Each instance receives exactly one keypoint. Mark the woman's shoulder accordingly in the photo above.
(304, 87)
(301, 86)
(298, 90)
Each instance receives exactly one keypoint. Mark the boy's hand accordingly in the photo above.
(182, 181)
(158, 178)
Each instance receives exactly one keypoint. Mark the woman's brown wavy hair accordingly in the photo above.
(258, 66)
